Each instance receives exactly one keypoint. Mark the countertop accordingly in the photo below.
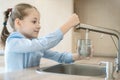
(32, 74)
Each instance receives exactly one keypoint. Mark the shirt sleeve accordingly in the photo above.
(64, 57)
(18, 44)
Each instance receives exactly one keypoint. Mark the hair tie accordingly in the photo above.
(7, 13)
(5, 23)
(9, 9)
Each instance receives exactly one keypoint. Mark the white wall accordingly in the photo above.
(53, 14)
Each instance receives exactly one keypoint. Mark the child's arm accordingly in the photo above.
(63, 57)
(72, 22)
(19, 44)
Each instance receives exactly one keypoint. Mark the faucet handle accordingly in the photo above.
(104, 62)
(109, 69)
(109, 65)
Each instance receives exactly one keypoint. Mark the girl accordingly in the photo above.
(22, 47)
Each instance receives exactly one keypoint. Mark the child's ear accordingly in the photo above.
(17, 23)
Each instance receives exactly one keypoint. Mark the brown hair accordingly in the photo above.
(19, 11)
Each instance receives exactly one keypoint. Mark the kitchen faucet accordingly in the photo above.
(105, 31)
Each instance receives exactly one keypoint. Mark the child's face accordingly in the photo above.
(30, 25)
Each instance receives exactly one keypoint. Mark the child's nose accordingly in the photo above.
(38, 26)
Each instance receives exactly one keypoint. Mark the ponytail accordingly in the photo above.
(5, 33)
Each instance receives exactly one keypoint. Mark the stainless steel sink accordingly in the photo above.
(77, 69)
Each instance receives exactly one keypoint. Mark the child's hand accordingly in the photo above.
(76, 57)
(73, 20)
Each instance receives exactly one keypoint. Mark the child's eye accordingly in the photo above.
(34, 22)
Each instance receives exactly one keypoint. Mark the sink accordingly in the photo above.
(77, 69)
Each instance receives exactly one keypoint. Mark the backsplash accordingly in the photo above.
(103, 13)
